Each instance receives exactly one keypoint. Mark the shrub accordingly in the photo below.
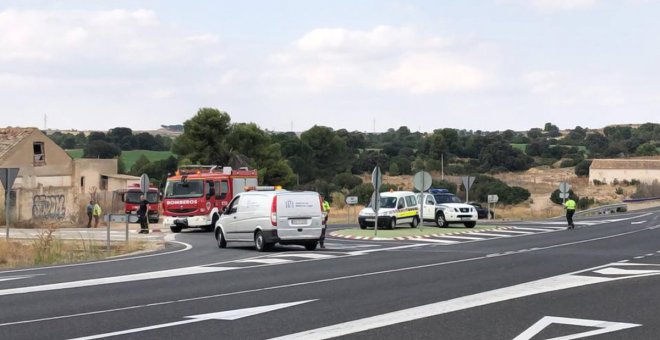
(582, 168)
(645, 190)
(554, 197)
(619, 191)
(585, 202)
(597, 182)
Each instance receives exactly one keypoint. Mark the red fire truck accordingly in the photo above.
(195, 195)
(131, 199)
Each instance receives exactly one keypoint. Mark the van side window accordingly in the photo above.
(233, 206)
(411, 201)
(400, 205)
(429, 200)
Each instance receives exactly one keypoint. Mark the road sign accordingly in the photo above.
(493, 198)
(376, 178)
(467, 183)
(422, 180)
(564, 187)
(351, 199)
(144, 183)
(120, 218)
(7, 176)
(563, 195)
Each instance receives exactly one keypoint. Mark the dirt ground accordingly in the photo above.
(540, 182)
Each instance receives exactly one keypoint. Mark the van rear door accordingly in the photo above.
(299, 215)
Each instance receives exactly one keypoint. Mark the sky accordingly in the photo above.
(367, 65)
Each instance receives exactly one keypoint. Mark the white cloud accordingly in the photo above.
(541, 82)
(384, 58)
(554, 5)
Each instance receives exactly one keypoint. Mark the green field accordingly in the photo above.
(129, 157)
(523, 146)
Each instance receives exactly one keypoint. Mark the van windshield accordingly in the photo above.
(187, 189)
(386, 202)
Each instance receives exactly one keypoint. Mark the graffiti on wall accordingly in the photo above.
(48, 207)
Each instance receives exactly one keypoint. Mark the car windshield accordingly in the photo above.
(386, 202)
(134, 197)
(187, 189)
(447, 198)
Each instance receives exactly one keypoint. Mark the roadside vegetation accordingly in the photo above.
(47, 249)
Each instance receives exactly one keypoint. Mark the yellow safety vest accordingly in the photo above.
(570, 204)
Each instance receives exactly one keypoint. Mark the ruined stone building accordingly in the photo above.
(52, 187)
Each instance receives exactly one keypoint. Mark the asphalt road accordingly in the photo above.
(533, 280)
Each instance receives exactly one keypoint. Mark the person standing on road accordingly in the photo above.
(326, 212)
(96, 212)
(90, 208)
(570, 211)
(143, 215)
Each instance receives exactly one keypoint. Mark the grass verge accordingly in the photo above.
(46, 249)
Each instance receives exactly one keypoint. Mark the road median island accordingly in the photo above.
(408, 233)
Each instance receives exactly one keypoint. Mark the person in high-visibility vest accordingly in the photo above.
(326, 212)
(570, 211)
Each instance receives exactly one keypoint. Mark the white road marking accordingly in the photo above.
(362, 252)
(433, 240)
(18, 277)
(638, 222)
(116, 279)
(603, 327)
(306, 255)
(226, 315)
(265, 261)
(463, 237)
(487, 234)
(619, 271)
(535, 229)
(516, 232)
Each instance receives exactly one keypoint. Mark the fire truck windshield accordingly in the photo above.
(179, 189)
(134, 197)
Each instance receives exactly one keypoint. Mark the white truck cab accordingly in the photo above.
(445, 208)
(396, 208)
(269, 215)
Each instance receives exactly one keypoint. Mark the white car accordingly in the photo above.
(445, 208)
(396, 208)
(266, 217)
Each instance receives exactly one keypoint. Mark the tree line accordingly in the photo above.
(328, 160)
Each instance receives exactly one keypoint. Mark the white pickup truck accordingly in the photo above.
(445, 208)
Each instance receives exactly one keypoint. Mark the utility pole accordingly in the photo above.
(442, 166)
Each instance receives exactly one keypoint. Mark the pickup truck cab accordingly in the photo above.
(445, 208)
(266, 216)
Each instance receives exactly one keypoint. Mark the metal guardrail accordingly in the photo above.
(605, 209)
(633, 200)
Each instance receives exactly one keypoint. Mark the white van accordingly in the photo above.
(396, 208)
(266, 217)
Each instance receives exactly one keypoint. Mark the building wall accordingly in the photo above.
(609, 175)
(56, 163)
(87, 173)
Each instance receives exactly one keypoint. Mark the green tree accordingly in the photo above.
(140, 163)
(122, 137)
(582, 168)
(329, 151)
(347, 181)
(203, 138)
(101, 149)
(646, 149)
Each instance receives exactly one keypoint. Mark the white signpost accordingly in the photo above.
(350, 200)
(422, 182)
(377, 181)
(563, 191)
(144, 183)
(7, 177)
(492, 199)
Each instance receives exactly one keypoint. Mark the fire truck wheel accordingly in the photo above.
(214, 220)
(175, 229)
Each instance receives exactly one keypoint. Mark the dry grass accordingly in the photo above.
(49, 250)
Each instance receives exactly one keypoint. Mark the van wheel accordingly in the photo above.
(220, 237)
(415, 222)
(392, 223)
(175, 229)
(260, 243)
(311, 245)
(440, 220)
(470, 224)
